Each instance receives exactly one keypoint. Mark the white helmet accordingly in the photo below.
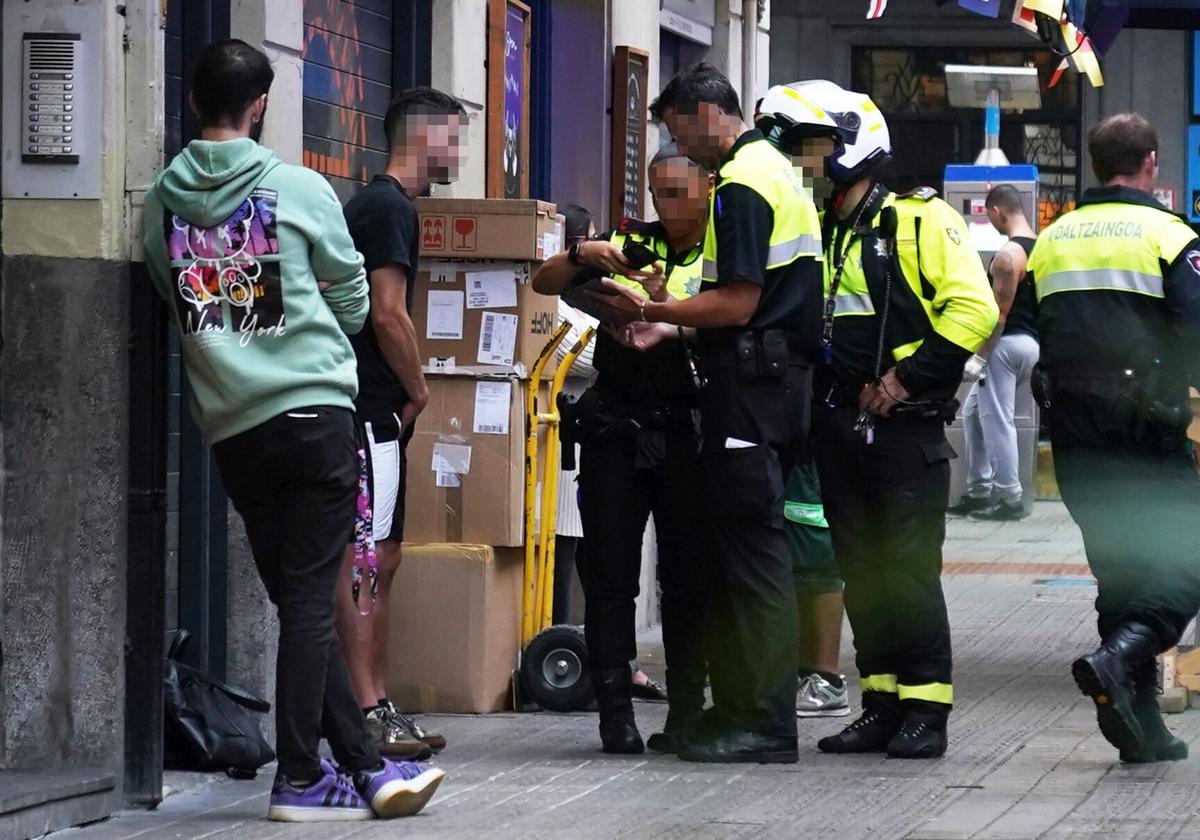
(790, 113)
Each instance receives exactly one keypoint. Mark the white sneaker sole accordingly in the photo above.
(841, 711)
(291, 813)
(403, 798)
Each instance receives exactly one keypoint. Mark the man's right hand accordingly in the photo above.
(605, 256)
(413, 408)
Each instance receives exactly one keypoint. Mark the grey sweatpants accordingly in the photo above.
(993, 468)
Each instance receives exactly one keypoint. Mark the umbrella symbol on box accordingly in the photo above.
(464, 233)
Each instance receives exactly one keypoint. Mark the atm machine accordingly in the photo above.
(966, 187)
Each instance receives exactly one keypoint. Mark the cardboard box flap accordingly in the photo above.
(486, 206)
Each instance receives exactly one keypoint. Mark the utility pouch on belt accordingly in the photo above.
(761, 355)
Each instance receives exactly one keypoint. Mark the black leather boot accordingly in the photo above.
(1163, 746)
(618, 731)
(1106, 676)
(922, 730)
(686, 699)
(873, 731)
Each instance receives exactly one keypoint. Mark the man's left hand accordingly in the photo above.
(881, 397)
(626, 304)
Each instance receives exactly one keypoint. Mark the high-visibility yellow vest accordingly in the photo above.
(1098, 278)
(1113, 246)
(683, 277)
(797, 230)
(944, 277)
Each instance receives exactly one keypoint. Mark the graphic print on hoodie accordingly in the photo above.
(227, 277)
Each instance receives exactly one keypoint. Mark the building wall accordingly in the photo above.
(64, 280)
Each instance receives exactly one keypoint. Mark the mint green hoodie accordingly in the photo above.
(237, 242)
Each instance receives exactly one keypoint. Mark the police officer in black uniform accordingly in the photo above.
(639, 436)
(1118, 288)
(758, 319)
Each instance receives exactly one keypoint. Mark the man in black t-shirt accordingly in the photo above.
(425, 131)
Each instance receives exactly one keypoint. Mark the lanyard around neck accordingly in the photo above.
(866, 211)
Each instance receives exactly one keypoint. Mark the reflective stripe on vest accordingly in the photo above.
(785, 252)
(1111, 279)
(795, 231)
(854, 304)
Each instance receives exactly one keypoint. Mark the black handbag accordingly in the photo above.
(208, 724)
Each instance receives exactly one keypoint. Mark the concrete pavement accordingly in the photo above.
(1025, 758)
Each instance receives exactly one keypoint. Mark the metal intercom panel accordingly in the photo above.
(53, 98)
(48, 95)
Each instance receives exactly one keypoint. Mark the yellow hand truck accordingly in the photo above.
(553, 672)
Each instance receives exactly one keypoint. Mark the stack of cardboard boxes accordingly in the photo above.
(480, 327)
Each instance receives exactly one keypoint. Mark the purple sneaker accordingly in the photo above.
(331, 798)
(399, 788)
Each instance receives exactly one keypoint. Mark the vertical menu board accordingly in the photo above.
(631, 78)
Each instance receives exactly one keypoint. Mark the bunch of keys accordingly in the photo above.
(865, 425)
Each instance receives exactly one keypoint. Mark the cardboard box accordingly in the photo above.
(455, 629)
(489, 228)
(466, 462)
(481, 316)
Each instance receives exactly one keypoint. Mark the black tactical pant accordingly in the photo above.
(754, 432)
(615, 500)
(886, 505)
(1135, 495)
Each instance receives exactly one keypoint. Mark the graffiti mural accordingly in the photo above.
(347, 87)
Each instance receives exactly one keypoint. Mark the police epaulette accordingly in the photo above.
(922, 193)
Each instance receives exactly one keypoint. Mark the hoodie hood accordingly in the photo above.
(210, 179)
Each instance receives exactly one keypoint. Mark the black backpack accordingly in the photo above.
(208, 724)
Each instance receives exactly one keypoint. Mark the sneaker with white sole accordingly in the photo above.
(331, 798)
(818, 697)
(398, 788)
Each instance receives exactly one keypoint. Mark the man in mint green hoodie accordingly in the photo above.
(254, 260)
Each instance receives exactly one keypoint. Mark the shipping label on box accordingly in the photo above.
(483, 313)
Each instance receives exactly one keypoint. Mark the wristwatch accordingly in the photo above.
(573, 253)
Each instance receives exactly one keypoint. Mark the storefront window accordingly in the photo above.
(909, 85)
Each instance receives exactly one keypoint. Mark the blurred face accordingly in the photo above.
(439, 142)
(695, 131)
(812, 158)
(680, 191)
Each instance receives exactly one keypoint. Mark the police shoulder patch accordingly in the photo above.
(954, 235)
(1193, 257)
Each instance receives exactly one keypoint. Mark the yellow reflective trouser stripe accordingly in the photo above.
(885, 683)
(933, 692)
(785, 252)
(1113, 279)
(852, 304)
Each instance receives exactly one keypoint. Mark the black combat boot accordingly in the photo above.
(873, 731)
(1107, 677)
(686, 698)
(922, 730)
(614, 697)
(1163, 746)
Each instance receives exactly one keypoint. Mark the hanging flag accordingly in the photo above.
(1023, 18)
(1081, 55)
(987, 8)
(876, 9)
(1050, 8)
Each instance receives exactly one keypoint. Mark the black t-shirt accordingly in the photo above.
(383, 224)
(791, 294)
(1022, 315)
